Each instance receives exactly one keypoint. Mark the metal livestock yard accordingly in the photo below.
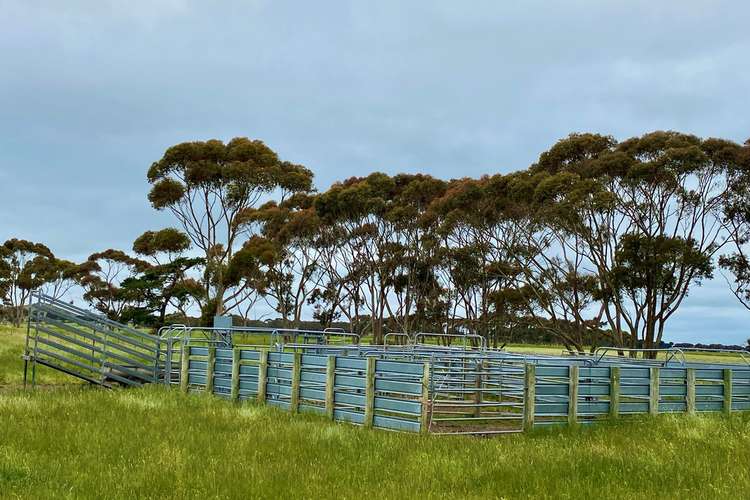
(418, 385)
(468, 389)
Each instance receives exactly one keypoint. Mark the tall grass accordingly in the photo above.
(158, 443)
(82, 442)
(11, 364)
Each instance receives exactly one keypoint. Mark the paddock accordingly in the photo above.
(425, 387)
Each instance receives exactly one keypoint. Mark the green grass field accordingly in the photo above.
(74, 441)
(11, 364)
(704, 357)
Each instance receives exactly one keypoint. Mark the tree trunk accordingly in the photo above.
(219, 301)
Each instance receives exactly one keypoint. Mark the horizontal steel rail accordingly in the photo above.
(744, 355)
(87, 346)
(43, 299)
(671, 352)
(470, 336)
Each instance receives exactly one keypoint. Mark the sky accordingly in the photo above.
(92, 92)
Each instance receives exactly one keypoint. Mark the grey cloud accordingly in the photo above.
(92, 92)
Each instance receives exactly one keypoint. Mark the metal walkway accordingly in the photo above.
(87, 346)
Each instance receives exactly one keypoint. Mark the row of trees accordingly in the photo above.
(137, 289)
(598, 241)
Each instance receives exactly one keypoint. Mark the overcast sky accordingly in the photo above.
(92, 92)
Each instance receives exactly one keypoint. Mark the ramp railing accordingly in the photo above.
(88, 346)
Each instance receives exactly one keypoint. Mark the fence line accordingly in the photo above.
(415, 387)
(460, 395)
(573, 394)
(371, 392)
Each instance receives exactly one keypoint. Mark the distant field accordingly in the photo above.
(558, 350)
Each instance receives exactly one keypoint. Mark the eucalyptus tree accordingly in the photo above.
(642, 217)
(326, 301)
(24, 267)
(62, 276)
(465, 255)
(106, 272)
(338, 290)
(550, 261)
(412, 254)
(344, 274)
(166, 281)
(737, 223)
(379, 251)
(292, 229)
(480, 240)
(206, 185)
(356, 209)
(162, 246)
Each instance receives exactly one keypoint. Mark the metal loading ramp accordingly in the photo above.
(87, 346)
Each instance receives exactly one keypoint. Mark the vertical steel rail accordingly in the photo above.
(26, 346)
(36, 350)
(234, 393)
(331, 386)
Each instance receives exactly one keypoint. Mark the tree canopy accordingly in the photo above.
(206, 185)
(598, 241)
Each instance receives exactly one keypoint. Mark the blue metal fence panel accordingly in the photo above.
(312, 409)
(398, 367)
(198, 351)
(633, 408)
(349, 416)
(395, 423)
(672, 406)
(309, 361)
(398, 388)
(249, 355)
(551, 371)
(358, 364)
(224, 353)
(198, 365)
